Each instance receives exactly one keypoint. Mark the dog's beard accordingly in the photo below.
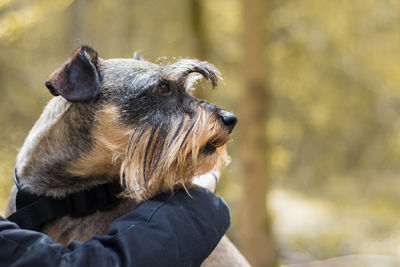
(164, 157)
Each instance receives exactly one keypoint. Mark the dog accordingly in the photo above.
(124, 120)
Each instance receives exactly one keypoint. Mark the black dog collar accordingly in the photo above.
(33, 210)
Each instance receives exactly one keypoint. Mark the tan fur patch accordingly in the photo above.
(109, 147)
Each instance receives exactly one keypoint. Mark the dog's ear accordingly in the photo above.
(78, 80)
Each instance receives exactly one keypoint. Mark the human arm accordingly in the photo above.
(177, 230)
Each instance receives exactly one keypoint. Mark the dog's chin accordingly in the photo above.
(214, 143)
(209, 149)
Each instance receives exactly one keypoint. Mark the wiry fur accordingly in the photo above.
(161, 159)
(134, 121)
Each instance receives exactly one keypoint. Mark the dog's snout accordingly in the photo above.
(229, 119)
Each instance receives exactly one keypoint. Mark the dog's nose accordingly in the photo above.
(229, 119)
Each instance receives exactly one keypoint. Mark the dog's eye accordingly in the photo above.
(163, 89)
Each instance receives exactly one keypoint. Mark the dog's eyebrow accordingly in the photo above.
(145, 80)
(180, 71)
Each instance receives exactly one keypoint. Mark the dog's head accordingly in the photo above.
(146, 122)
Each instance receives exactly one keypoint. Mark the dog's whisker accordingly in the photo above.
(178, 129)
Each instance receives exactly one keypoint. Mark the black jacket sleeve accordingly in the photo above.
(170, 230)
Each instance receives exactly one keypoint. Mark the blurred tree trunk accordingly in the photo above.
(75, 28)
(198, 38)
(198, 41)
(257, 243)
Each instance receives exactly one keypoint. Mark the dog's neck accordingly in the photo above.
(59, 138)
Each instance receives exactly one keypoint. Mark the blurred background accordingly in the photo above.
(315, 84)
